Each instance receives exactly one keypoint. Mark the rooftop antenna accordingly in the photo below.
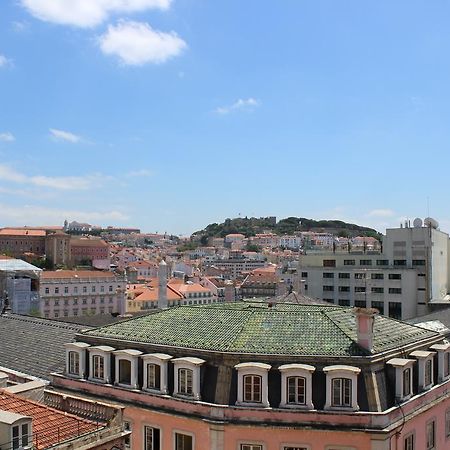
(428, 206)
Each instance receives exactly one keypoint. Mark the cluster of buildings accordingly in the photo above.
(228, 349)
(305, 240)
(59, 248)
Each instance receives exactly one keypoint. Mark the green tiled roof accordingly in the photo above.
(256, 328)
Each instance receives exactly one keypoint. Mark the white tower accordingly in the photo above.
(162, 285)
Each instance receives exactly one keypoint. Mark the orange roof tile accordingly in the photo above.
(50, 426)
(17, 232)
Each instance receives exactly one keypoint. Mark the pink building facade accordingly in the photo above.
(252, 376)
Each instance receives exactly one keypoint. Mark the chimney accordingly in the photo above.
(230, 292)
(365, 318)
(162, 285)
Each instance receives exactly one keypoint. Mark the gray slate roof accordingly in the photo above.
(34, 346)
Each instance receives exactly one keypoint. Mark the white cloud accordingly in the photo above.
(87, 13)
(61, 135)
(7, 137)
(36, 215)
(248, 104)
(381, 213)
(7, 173)
(137, 43)
(4, 61)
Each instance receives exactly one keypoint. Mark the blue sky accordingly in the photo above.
(169, 115)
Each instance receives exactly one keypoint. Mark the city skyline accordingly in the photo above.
(169, 115)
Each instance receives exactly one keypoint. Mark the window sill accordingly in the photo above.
(259, 405)
(296, 406)
(341, 408)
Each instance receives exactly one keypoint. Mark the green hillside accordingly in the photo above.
(290, 225)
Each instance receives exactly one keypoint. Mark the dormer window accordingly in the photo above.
(127, 368)
(74, 363)
(253, 384)
(403, 377)
(76, 359)
(187, 377)
(342, 392)
(252, 388)
(425, 365)
(21, 434)
(342, 387)
(407, 382)
(100, 363)
(155, 372)
(443, 359)
(296, 386)
(98, 371)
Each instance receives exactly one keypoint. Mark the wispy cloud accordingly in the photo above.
(7, 137)
(19, 26)
(382, 213)
(137, 43)
(87, 13)
(34, 215)
(67, 136)
(7, 173)
(240, 104)
(139, 173)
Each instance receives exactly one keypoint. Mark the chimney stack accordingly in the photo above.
(162, 285)
(365, 318)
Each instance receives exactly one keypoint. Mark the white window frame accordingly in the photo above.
(401, 364)
(161, 360)
(342, 371)
(193, 364)
(423, 356)
(19, 424)
(154, 427)
(241, 443)
(287, 445)
(258, 369)
(105, 352)
(296, 370)
(80, 349)
(409, 436)
(429, 422)
(443, 352)
(186, 433)
(132, 356)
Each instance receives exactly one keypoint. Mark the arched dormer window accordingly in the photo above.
(296, 386)
(342, 387)
(155, 372)
(127, 368)
(187, 377)
(253, 384)
(100, 363)
(76, 359)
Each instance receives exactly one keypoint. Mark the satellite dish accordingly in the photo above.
(417, 222)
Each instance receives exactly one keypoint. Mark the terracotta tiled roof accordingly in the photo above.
(88, 243)
(152, 294)
(195, 287)
(50, 274)
(16, 232)
(50, 426)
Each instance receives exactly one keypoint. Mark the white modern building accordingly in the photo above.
(409, 277)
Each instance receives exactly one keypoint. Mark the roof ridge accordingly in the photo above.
(238, 333)
(44, 321)
(338, 325)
